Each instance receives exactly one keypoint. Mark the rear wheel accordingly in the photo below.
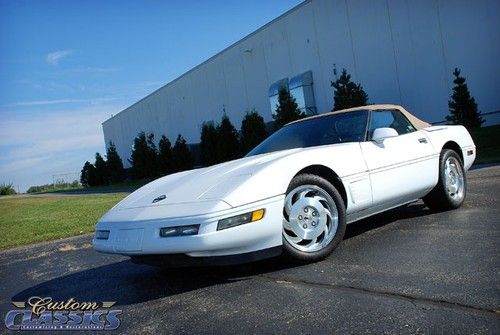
(450, 191)
(313, 219)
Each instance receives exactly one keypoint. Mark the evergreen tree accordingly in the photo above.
(348, 94)
(88, 175)
(253, 131)
(165, 158)
(287, 109)
(182, 159)
(100, 170)
(227, 141)
(462, 106)
(208, 144)
(114, 165)
(144, 157)
(152, 170)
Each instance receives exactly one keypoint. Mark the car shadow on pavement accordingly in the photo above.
(128, 283)
(392, 216)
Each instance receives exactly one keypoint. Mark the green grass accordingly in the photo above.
(487, 140)
(29, 219)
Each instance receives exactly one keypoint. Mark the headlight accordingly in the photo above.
(179, 231)
(101, 234)
(241, 219)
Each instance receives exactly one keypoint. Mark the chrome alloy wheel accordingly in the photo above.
(310, 218)
(454, 178)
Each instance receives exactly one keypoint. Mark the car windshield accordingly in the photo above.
(331, 129)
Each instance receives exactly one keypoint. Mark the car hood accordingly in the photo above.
(207, 187)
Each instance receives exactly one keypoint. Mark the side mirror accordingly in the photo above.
(380, 134)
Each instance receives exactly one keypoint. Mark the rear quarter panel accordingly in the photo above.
(441, 135)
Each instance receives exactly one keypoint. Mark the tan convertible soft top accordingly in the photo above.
(416, 122)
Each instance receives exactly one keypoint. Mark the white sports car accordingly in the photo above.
(295, 192)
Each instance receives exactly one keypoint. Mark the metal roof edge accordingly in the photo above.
(288, 12)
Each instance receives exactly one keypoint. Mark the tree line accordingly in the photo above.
(221, 142)
(103, 172)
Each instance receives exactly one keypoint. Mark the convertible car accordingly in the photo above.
(295, 192)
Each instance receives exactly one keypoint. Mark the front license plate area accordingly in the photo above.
(129, 240)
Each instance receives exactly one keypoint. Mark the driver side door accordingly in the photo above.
(401, 168)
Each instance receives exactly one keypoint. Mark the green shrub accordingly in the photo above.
(287, 109)
(182, 159)
(228, 146)
(348, 94)
(144, 157)
(7, 189)
(462, 106)
(253, 131)
(58, 185)
(208, 144)
(165, 156)
(115, 173)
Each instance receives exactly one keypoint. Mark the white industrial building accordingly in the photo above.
(401, 51)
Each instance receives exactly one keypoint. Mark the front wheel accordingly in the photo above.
(313, 219)
(450, 191)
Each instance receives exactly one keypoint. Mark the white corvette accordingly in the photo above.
(295, 192)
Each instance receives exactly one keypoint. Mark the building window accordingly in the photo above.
(302, 90)
(274, 92)
(300, 87)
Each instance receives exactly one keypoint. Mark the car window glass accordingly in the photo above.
(331, 129)
(390, 119)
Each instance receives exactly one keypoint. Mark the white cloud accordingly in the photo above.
(91, 69)
(53, 58)
(93, 101)
(43, 102)
(33, 147)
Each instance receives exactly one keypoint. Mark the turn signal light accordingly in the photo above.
(241, 219)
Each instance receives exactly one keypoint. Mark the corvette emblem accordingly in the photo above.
(160, 198)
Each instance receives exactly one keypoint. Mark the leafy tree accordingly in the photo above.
(100, 170)
(165, 156)
(462, 106)
(87, 176)
(348, 94)
(115, 172)
(182, 159)
(287, 109)
(144, 157)
(7, 189)
(253, 131)
(227, 141)
(208, 144)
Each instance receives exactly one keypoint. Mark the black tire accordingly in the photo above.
(289, 250)
(440, 199)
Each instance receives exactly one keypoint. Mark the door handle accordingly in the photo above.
(422, 140)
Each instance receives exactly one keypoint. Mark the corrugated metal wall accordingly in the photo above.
(402, 51)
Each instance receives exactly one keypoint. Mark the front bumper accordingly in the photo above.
(142, 237)
(183, 260)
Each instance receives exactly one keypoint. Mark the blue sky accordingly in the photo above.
(66, 66)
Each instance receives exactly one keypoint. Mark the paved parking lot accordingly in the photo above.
(405, 271)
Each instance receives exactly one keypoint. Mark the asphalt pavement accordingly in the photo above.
(405, 271)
